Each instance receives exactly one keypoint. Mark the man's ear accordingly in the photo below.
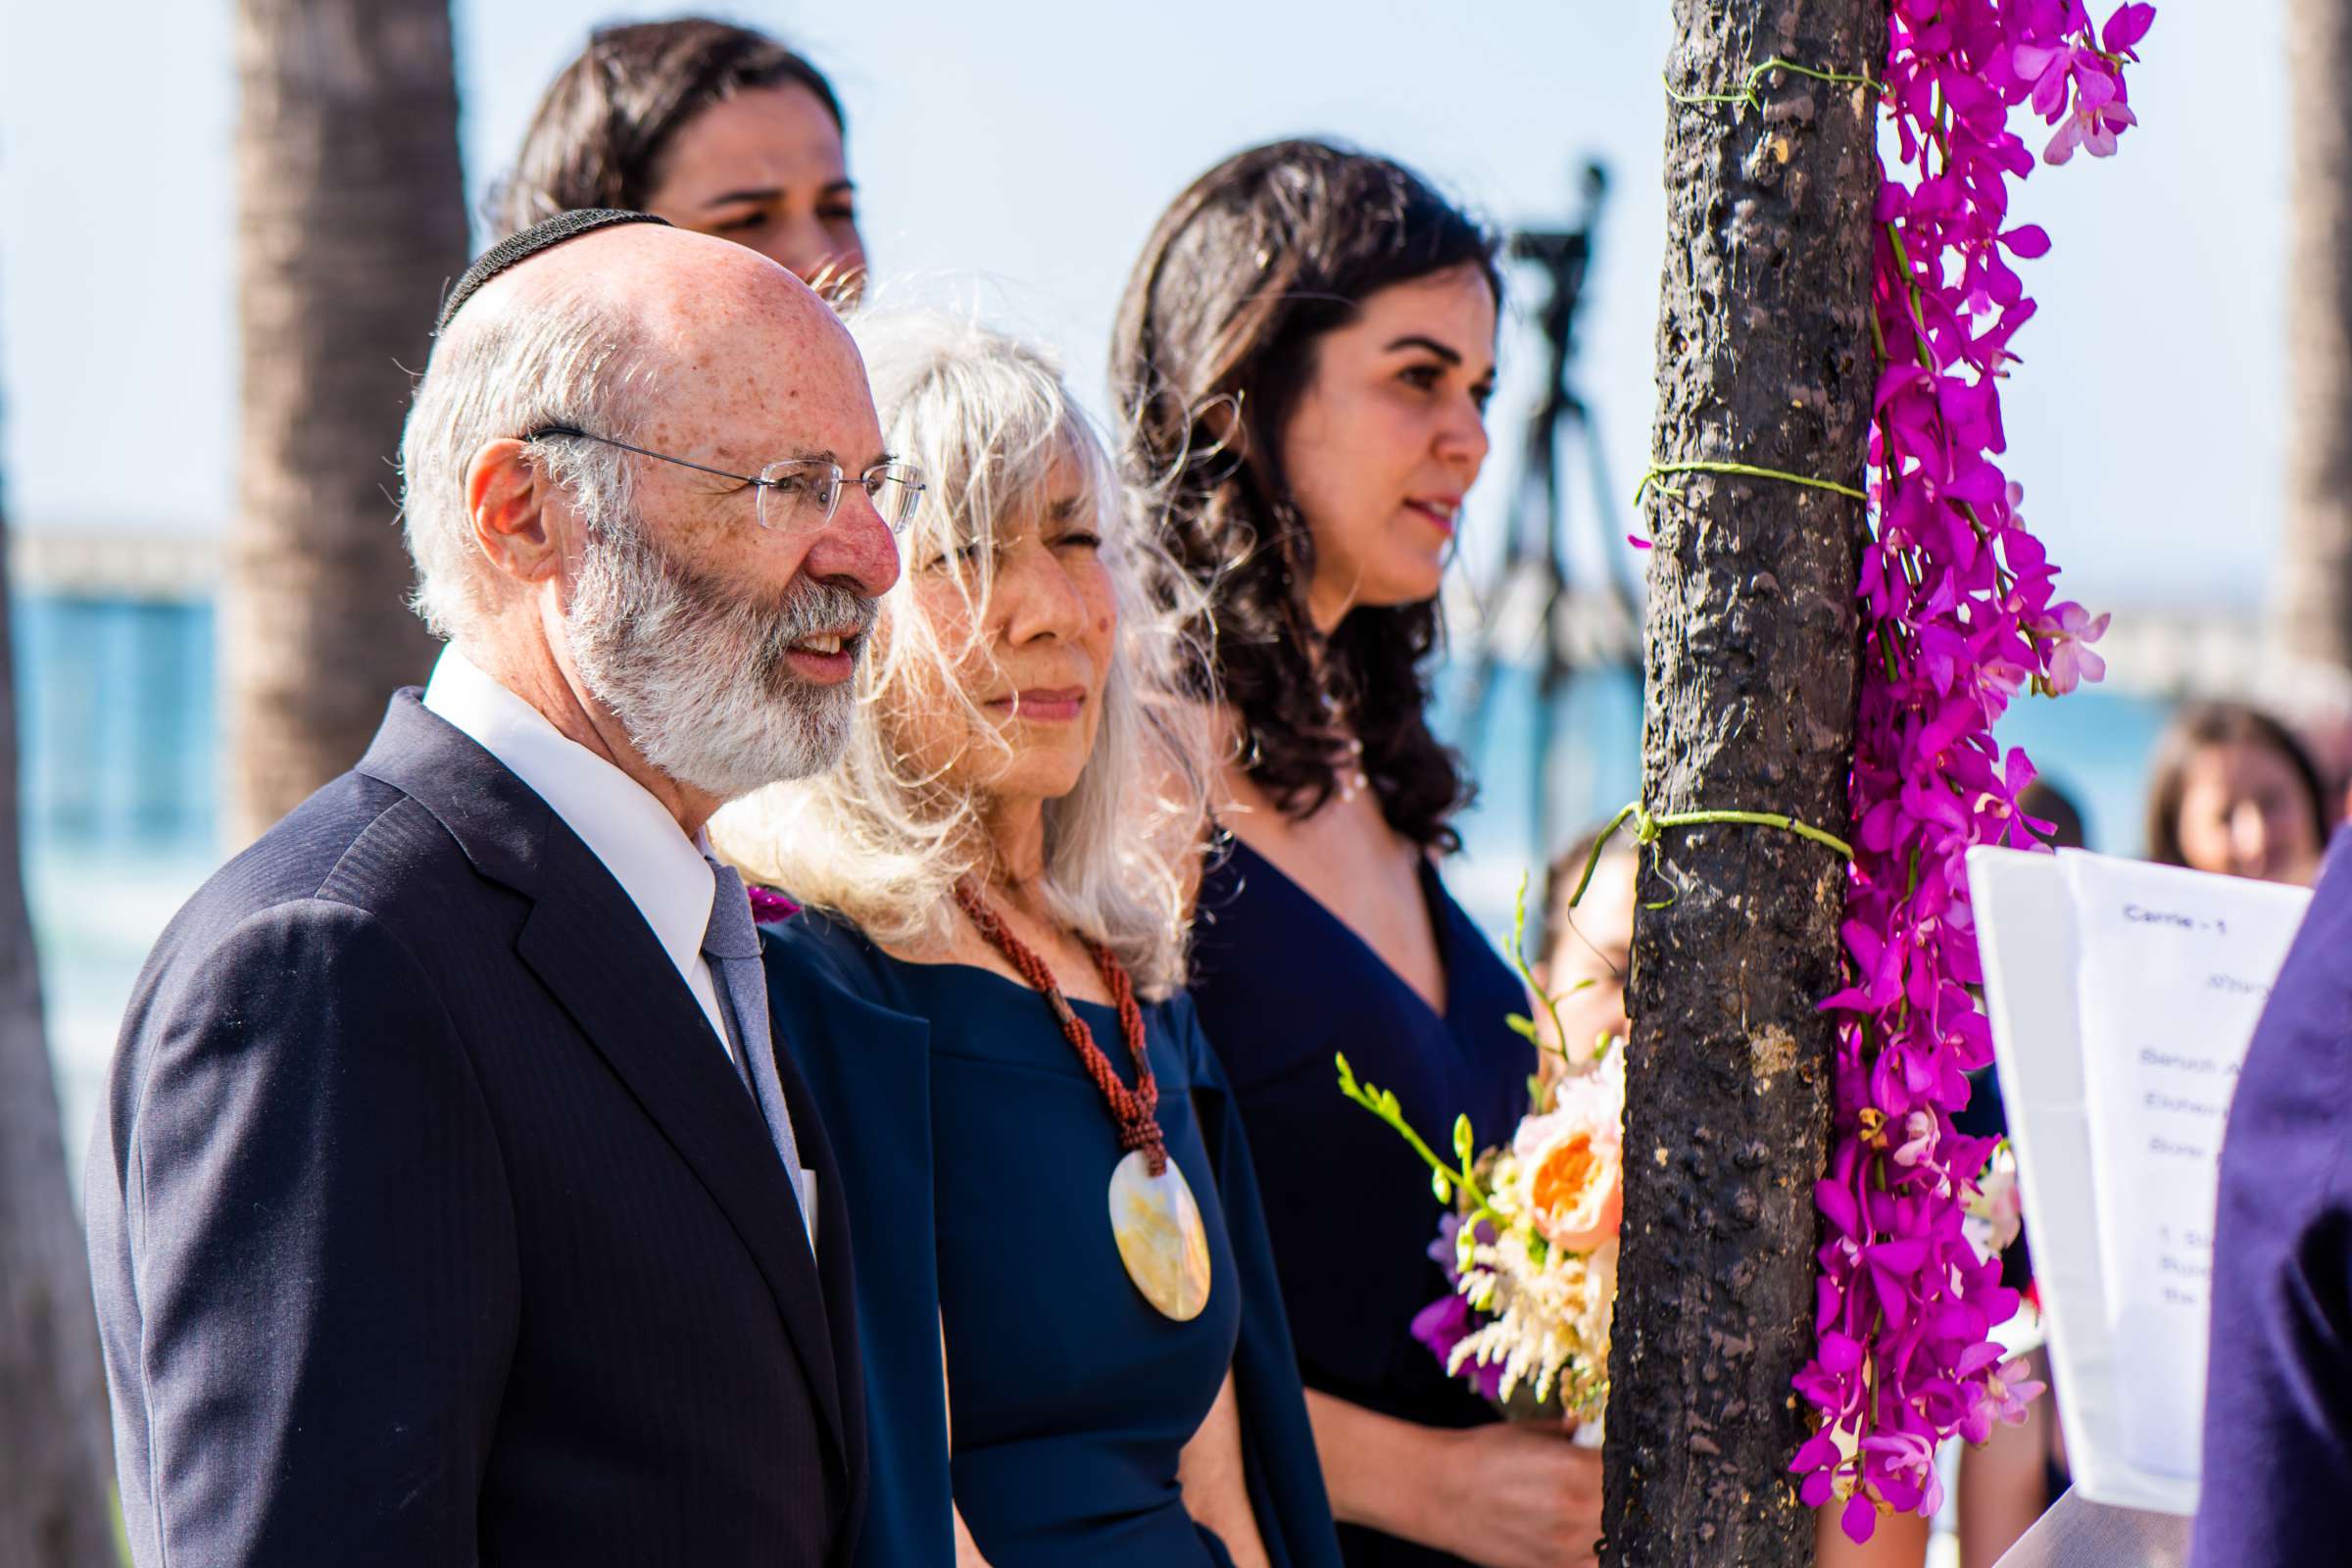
(507, 499)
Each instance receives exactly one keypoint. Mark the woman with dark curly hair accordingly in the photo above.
(1304, 359)
(716, 128)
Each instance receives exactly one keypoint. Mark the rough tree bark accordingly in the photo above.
(1764, 357)
(352, 218)
(2312, 585)
(56, 1453)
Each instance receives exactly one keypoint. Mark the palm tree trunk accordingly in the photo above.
(1764, 359)
(56, 1453)
(2313, 587)
(351, 220)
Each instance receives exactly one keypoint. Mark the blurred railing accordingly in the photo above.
(96, 563)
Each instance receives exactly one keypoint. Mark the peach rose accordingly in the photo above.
(1571, 1159)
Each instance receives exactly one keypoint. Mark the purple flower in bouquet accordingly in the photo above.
(1451, 1319)
(1446, 1323)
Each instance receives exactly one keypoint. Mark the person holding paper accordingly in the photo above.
(2277, 1474)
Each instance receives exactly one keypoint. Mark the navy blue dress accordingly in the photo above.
(1283, 985)
(976, 1164)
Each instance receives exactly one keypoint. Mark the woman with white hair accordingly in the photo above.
(1063, 1280)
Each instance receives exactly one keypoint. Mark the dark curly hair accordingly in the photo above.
(1215, 343)
(599, 131)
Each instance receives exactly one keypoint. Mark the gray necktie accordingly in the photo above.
(731, 944)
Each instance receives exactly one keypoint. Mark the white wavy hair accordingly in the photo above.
(881, 841)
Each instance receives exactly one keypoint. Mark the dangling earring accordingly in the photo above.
(1353, 781)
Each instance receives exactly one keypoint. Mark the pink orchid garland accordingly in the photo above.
(1958, 618)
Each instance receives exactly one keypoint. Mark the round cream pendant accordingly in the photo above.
(1160, 1237)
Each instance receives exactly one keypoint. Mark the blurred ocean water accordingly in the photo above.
(121, 765)
(118, 779)
(2093, 745)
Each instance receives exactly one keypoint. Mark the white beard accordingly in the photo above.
(698, 677)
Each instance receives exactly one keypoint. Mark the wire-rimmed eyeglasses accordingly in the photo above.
(796, 494)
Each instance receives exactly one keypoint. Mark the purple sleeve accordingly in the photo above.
(2277, 1476)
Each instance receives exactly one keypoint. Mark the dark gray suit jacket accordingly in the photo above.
(430, 1226)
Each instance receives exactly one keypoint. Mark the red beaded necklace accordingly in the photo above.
(1137, 1110)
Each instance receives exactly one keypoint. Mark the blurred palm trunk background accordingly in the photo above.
(2310, 631)
(350, 222)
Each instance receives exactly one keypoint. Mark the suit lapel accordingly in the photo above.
(622, 991)
(836, 1274)
(863, 1073)
(587, 942)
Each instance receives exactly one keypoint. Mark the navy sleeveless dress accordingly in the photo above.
(976, 1170)
(1283, 985)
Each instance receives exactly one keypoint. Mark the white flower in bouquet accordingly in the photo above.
(1534, 1235)
(1548, 1276)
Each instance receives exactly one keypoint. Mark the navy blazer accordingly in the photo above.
(431, 1225)
(2276, 1482)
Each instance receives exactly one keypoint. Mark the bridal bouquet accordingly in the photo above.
(1531, 1243)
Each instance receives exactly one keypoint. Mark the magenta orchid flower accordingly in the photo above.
(2070, 632)
(2091, 127)
(1960, 618)
(2008, 1390)
(1919, 1130)
(1910, 1468)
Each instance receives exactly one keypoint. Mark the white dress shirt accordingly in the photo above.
(659, 868)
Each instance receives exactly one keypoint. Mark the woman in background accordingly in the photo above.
(1302, 361)
(995, 880)
(714, 127)
(1582, 953)
(2232, 790)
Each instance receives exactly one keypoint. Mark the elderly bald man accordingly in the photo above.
(451, 1204)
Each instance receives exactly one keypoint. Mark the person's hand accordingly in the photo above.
(1523, 1496)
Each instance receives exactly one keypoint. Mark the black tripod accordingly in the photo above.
(1532, 599)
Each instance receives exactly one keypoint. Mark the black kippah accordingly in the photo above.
(515, 249)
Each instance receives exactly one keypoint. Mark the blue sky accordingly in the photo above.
(1013, 154)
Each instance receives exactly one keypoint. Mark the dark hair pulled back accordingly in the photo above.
(598, 134)
(1215, 343)
(2206, 725)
